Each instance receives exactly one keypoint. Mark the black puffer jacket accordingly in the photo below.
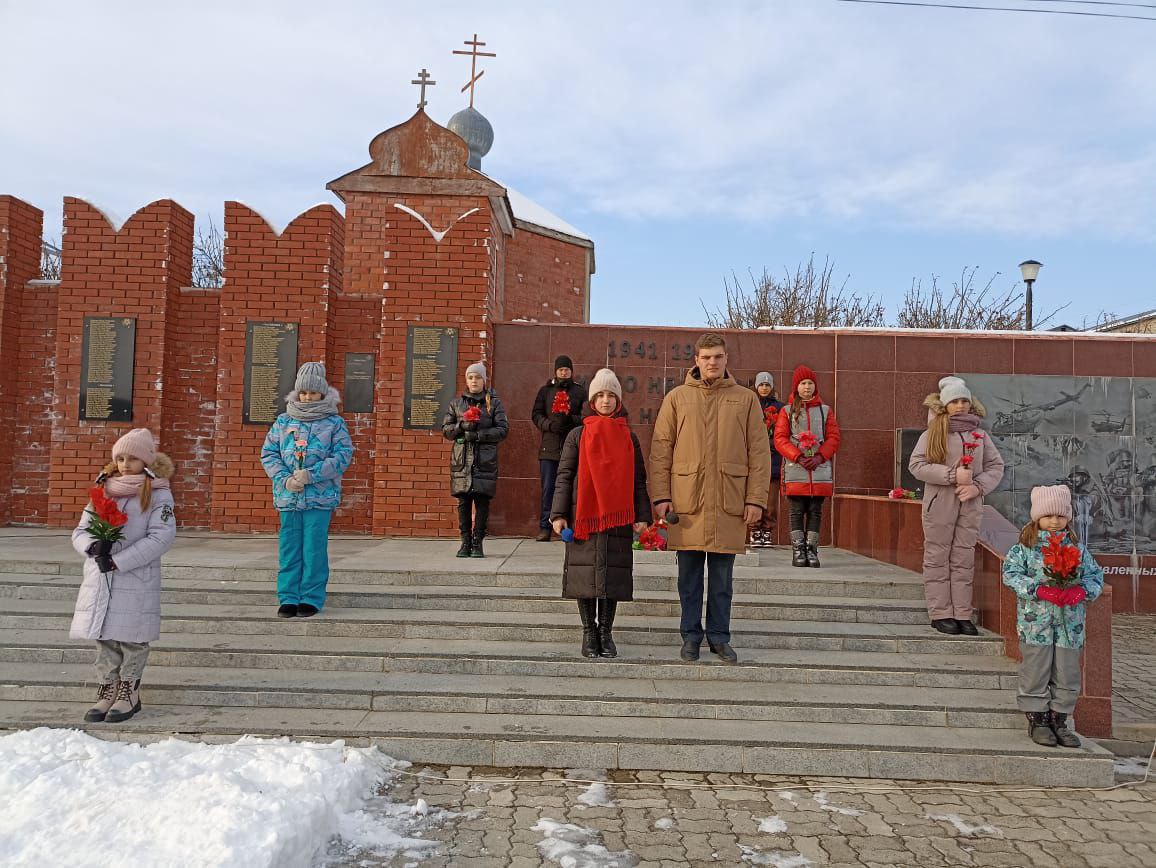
(603, 565)
(776, 458)
(555, 426)
(474, 463)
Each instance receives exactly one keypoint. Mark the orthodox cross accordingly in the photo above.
(474, 54)
(423, 79)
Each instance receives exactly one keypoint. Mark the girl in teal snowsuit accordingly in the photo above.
(1050, 619)
(305, 454)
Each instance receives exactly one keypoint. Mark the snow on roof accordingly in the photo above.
(529, 211)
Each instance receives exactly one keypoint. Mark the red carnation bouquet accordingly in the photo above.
(561, 403)
(902, 494)
(473, 414)
(770, 414)
(108, 519)
(808, 442)
(651, 539)
(1062, 570)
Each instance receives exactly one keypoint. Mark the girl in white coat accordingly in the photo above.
(119, 604)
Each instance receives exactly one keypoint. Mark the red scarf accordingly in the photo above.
(605, 476)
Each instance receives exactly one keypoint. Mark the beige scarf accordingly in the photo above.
(129, 485)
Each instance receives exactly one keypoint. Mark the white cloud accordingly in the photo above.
(756, 111)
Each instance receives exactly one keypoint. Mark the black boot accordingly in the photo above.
(476, 550)
(588, 611)
(812, 549)
(1064, 736)
(466, 526)
(1039, 729)
(480, 521)
(606, 609)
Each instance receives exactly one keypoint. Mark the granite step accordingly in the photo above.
(480, 657)
(623, 697)
(663, 743)
(517, 627)
(216, 591)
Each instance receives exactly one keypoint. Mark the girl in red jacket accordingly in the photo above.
(807, 436)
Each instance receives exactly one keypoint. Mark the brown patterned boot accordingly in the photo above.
(105, 696)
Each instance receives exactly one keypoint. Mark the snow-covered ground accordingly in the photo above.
(70, 799)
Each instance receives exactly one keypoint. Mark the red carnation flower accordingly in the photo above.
(561, 403)
(473, 414)
(966, 460)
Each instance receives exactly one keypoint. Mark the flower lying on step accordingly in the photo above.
(902, 494)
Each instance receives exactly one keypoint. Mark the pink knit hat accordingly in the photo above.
(1051, 500)
(138, 443)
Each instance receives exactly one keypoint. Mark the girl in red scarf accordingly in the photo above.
(600, 494)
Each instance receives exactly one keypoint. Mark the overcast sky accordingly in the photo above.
(688, 139)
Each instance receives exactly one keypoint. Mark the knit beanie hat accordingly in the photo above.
(605, 381)
(764, 378)
(478, 368)
(803, 373)
(952, 389)
(1051, 500)
(311, 378)
(138, 443)
(563, 362)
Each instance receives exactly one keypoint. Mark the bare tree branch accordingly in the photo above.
(209, 257)
(966, 307)
(49, 260)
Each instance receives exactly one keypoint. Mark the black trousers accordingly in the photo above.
(806, 513)
(473, 513)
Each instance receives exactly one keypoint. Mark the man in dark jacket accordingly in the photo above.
(557, 410)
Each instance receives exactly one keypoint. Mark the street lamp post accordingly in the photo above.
(1030, 269)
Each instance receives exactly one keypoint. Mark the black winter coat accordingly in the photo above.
(776, 458)
(474, 462)
(555, 426)
(603, 565)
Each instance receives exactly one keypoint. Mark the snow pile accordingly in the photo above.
(775, 825)
(774, 858)
(965, 829)
(821, 801)
(576, 847)
(596, 796)
(70, 799)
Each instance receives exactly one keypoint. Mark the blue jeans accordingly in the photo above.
(548, 473)
(304, 551)
(720, 570)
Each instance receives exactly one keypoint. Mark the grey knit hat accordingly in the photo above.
(605, 381)
(478, 368)
(763, 378)
(311, 378)
(951, 389)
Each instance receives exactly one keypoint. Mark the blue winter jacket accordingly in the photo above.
(1040, 622)
(327, 453)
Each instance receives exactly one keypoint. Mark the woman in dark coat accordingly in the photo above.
(474, 458)
(601, 494)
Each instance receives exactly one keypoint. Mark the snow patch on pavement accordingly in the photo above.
(774, 858)
(775, 825)
(253, 803)
(596, 796)
(664, 823)
(821, 801)
(966, 829)
(576, 847)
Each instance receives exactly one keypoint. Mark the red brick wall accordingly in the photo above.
(21, 227)
(285, 278)
(136, 272)
(190, 399)
(450, 283)
(546, 279)
(32, 420)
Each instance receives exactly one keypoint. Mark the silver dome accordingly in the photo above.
(473, 127)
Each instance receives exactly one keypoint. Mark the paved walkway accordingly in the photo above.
(482, 824)
(1134, 677)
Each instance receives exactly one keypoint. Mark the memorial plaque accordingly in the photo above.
(270, 369)
(431, 363)
(359, 369)
(106, 368)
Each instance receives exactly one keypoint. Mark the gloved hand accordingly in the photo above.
(469, 426)
(294, 485)
(810, 463)
(470, 436)
(1073, 596)
(1050, 594)
(556, 424)
(99, 547)
(104, 564)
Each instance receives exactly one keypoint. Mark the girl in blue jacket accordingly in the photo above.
(305, 454)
